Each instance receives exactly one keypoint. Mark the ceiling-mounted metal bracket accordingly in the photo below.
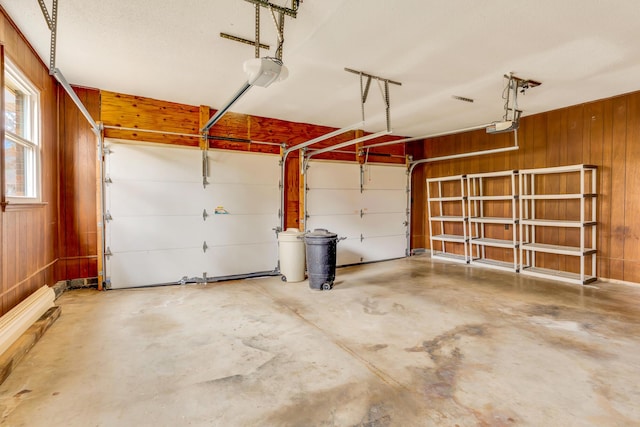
(278, 22)
(52, 23)
(364, 92)
(289, 11)
(243, 40)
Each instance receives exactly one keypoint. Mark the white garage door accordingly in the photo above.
(166, 226)
(372, 220)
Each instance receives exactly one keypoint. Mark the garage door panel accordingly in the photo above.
(135, 269)
(149, 198)
(381, 248)
(333, 202)
(349, 251)
(229, 167)
(384, 200)
(384, 177)
(232, 260)
(149, 233)
(384, 224)
(343, 226)
(333, 175)
(154, 163)
(239, 229)
(243, 198)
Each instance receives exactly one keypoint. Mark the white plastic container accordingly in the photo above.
(291, 251)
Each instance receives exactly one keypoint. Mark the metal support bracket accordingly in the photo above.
(52, 23)
(205, 168)
(364, 92)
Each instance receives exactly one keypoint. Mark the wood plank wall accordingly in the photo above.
(77, 231)
(28, 250)
(605, 133)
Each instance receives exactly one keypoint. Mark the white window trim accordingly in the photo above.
(18, 79)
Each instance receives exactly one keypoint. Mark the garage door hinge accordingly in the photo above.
(108, 252)
(204, 215)
(107, 216)
(279, 213)
(361, 237)
(405, 223)
(204, 247)
(280, 185)
(106, 150)
(108, 180)
(361, 213)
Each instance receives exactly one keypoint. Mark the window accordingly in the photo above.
(21, 139)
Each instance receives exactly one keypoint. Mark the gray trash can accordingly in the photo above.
(321, 258)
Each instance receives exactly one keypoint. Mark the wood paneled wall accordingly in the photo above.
(605, 133)
(78, 230)
(28, 249)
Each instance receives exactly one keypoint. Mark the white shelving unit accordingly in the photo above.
(481, 192)
(447, 213)
(531, 220)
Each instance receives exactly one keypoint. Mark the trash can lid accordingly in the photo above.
(290, 234)
(321, 233)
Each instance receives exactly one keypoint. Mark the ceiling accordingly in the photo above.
(581, 50)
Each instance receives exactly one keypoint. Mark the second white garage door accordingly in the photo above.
(372, 220)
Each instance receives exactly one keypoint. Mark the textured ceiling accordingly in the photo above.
(581, 50)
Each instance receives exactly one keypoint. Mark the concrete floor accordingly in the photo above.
(410, 342)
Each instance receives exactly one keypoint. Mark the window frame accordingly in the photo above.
(15, 79)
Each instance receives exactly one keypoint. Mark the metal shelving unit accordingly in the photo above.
(445, 218)
(531, 220)
(479, 218)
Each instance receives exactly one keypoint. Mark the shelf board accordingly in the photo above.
(556, 223)
(483, 198)
(492, 220)
(493, 174)
(449, 218)
(448, 199)
(447, 178)
(557, 169)
(556, 196)
(557, 249)
(563, 276)
(449, 238)
(492, 263)
(448, 257)
(496, 243)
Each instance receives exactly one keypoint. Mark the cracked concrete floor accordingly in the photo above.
(410, 342)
